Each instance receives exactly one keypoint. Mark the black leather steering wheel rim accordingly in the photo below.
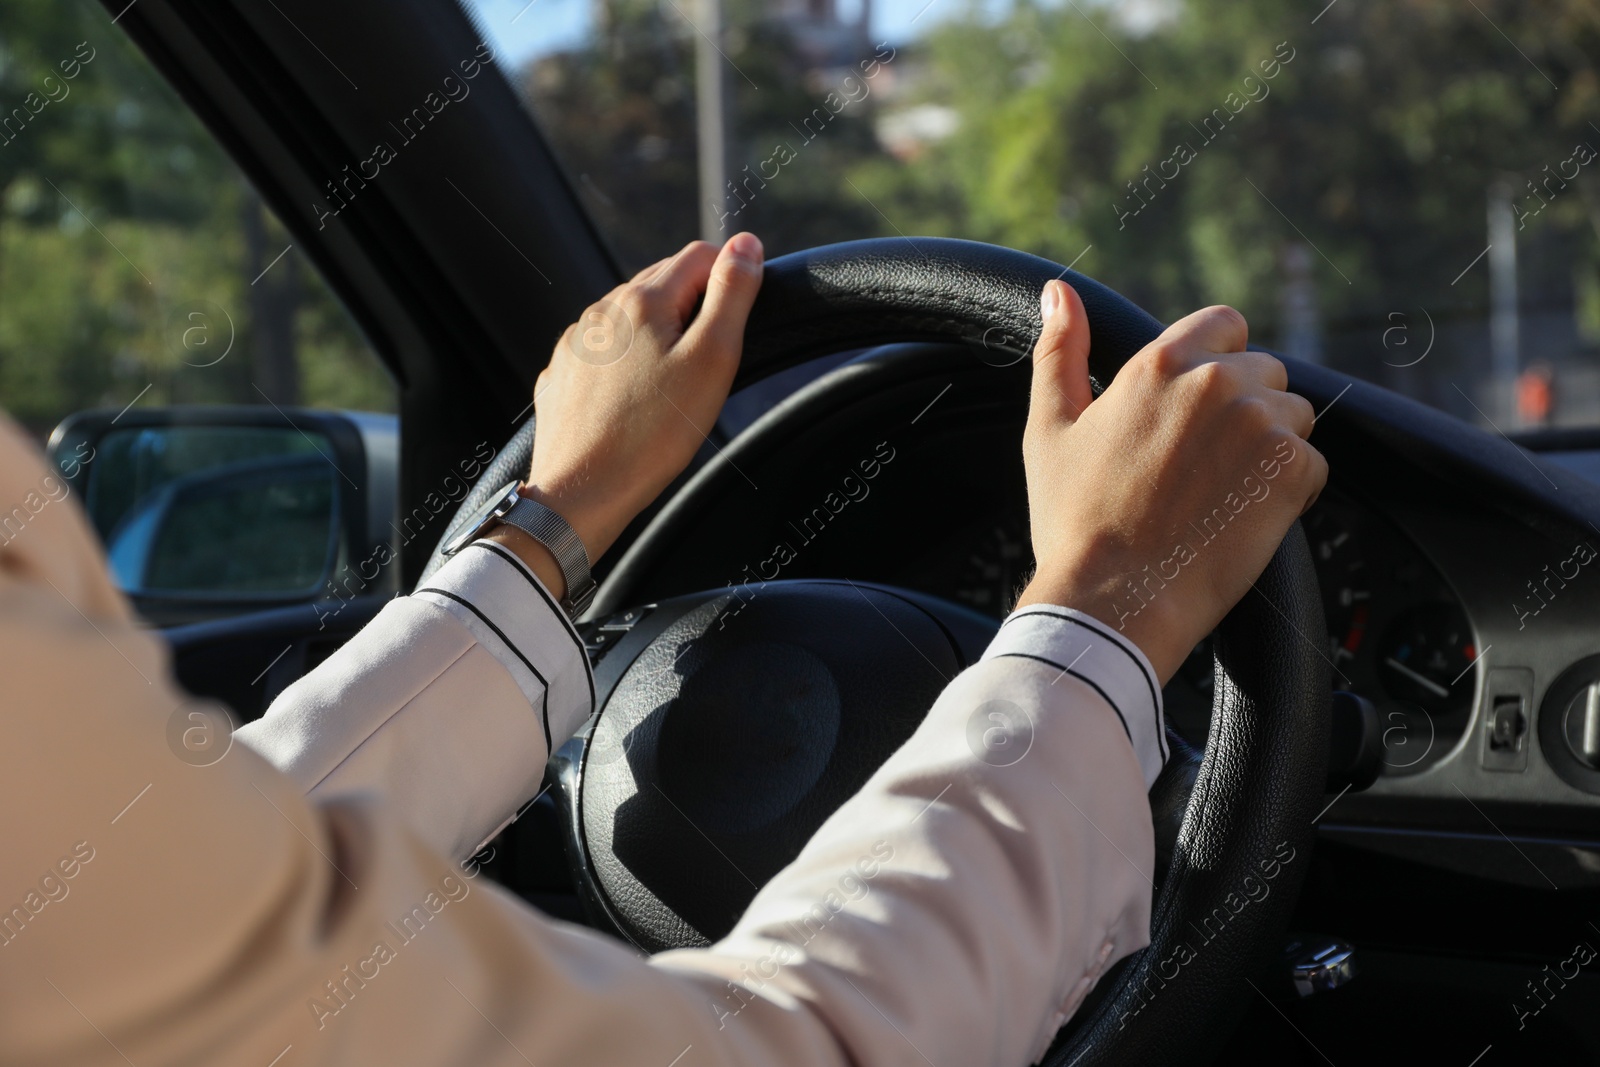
(1242, 849)
(881, 291)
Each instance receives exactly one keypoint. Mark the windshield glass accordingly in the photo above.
(1404, 191)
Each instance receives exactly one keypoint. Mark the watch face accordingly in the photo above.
(474, 524)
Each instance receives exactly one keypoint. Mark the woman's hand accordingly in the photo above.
(1156, 506)
(633, 389)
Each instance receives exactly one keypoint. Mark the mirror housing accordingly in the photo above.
(210, 511)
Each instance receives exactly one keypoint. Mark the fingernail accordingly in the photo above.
(746, 249)
(1049, 300)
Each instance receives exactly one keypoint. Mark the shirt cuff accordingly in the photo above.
(513, 616)
(1085, 648)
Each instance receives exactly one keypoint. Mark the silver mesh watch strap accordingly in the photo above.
(552, 531)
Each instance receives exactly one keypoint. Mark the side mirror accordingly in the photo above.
(212, 511)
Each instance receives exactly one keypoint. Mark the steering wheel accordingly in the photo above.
(719, 748)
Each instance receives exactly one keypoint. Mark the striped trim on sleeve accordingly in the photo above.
(1083, 647)
(513, 616)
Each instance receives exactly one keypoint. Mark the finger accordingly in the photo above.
(1217, 330)
(1061, 356)
(1316, 478)
(683, 279)
(735, 279)
(1262, 367)
(1292, 412)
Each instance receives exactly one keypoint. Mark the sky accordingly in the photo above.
(523, 29)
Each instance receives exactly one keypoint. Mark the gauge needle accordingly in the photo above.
(1427, 683)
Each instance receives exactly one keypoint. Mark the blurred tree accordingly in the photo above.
(1326, 172)
(620, 113)
(1374, 145)
(129, 241)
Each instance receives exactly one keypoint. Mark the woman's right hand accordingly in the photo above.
(1155, 506)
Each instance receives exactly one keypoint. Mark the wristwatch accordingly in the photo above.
(544, 526)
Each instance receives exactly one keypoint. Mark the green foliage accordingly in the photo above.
(119, 216)
(1366, 140)
(1377, 142)
(621, 114)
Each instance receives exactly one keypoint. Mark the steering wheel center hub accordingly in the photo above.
(739, 730)
(768, 711)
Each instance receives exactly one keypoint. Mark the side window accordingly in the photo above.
(228, 429)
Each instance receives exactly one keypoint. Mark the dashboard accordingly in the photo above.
(1397, 634)
(1455, 599)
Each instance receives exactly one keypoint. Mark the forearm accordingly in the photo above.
(970, 904)
(1017, 884)
(447, 703)
(954, 908)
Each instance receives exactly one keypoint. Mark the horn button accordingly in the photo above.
(735, 734)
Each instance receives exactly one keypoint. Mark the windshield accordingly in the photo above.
(1403, 191)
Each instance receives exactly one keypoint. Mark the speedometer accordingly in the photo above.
(1344, 577)
(1425, 657)
(1397, 635)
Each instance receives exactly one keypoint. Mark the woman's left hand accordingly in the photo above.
(635, 385)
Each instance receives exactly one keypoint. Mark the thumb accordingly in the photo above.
(1061, 356)
(731, 289)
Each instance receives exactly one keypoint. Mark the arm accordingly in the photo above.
(448, 703)
(158, 912)
(218, 915)
(430, 703)
(947, 913)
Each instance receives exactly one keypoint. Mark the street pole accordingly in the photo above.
(711, 121)
(1503, 328)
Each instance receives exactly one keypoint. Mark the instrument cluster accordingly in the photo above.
(1396, 631)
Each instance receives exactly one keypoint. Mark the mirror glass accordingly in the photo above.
(216, 510)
